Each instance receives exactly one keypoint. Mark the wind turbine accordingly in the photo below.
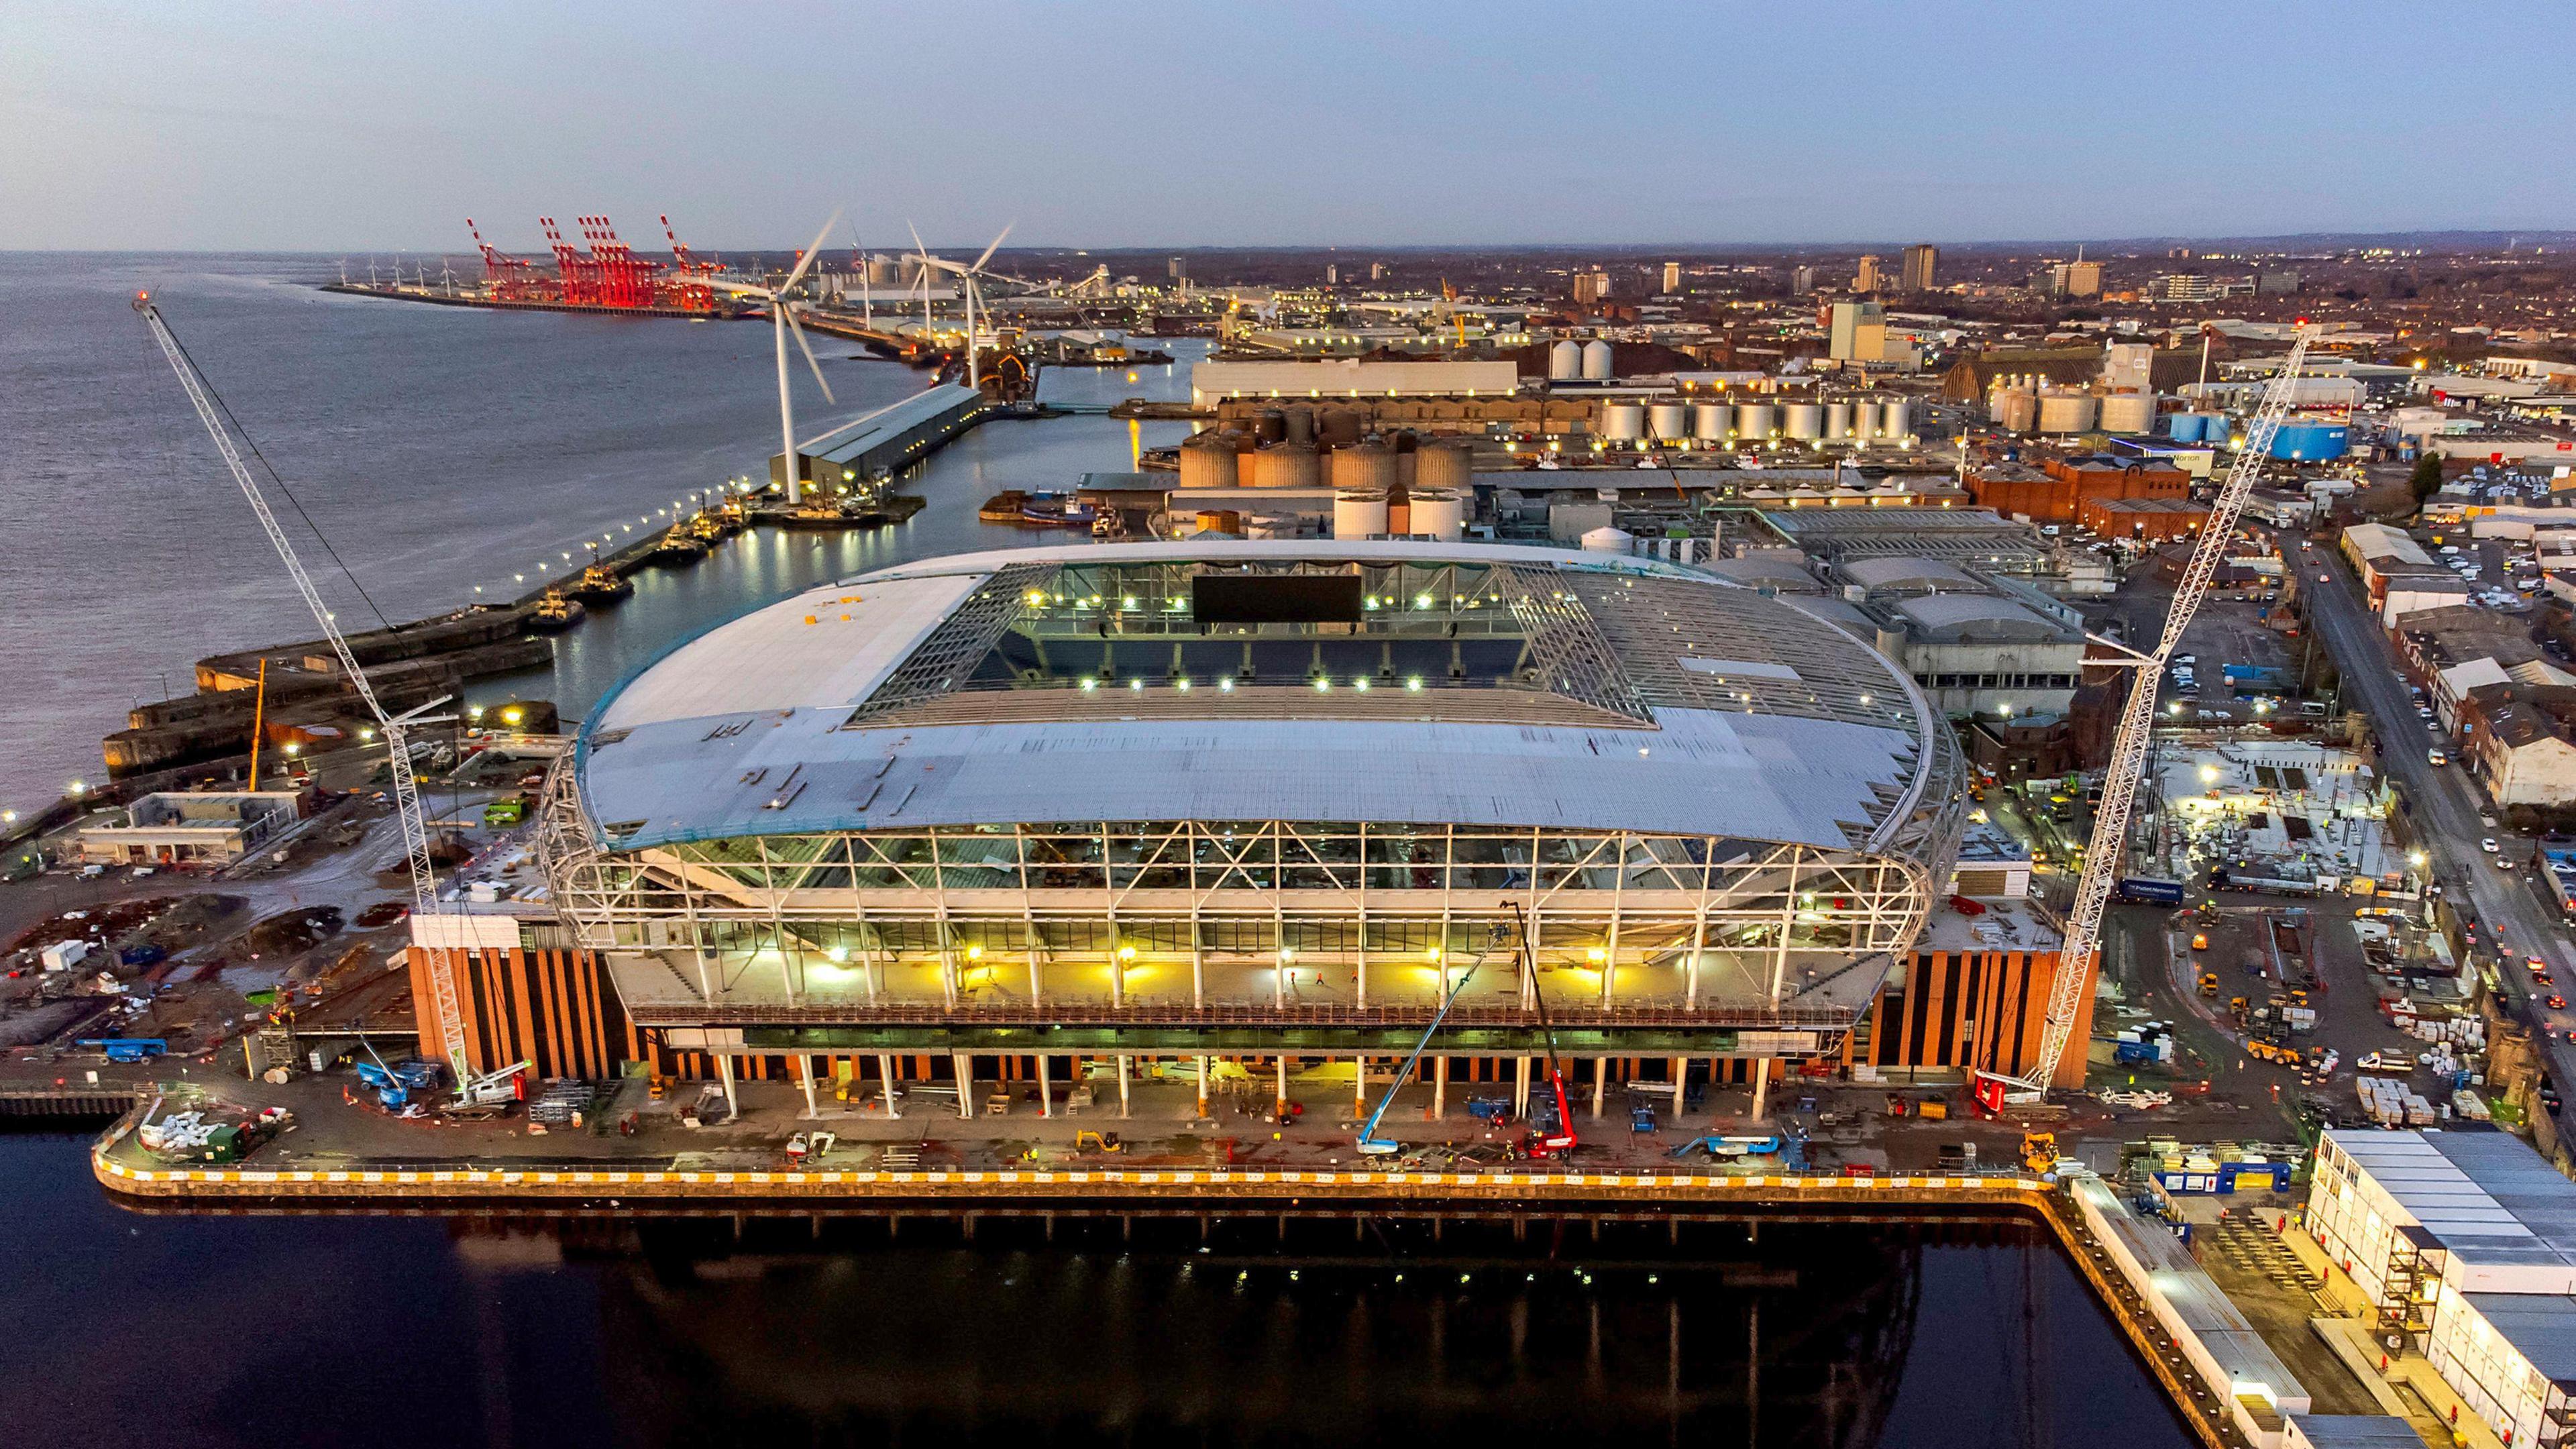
(782, 321)
(966, 275)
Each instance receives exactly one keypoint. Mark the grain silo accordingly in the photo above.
(1208, 461)
(2062, 411)
(2128, 412)
(1445, 463)
(1565, 361)
(1301, 425)
(1365, 466)
(1340, 427)
(2015, 409)
(1596, 361)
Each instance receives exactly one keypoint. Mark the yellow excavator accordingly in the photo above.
(2039, 1151)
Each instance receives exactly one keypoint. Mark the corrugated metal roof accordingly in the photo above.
(2487, 1196)
(2540, 1326)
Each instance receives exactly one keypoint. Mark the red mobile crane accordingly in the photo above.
(1534, 1143)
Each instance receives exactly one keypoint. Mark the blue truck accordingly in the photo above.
(127, 1048)
(2150, 890)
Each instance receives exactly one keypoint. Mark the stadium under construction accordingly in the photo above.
(1220, 808)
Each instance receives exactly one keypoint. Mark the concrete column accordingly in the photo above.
(1359, 984)
(1359, 1080)
(1681, 1085)
(1046, 1097)
(1283, 1086)
(1761, 1085)
(948, 978)
(1600, 1085)
(806, 1077)
(1520, 1088)
(1122, 1085)
(885, 1078)
(1439, 1088)
(1117, 979)
(1198, 978)
(1203, 1086)
(724, 1074)
(965, 1083)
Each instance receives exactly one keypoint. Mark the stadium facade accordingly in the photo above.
(1256, 802)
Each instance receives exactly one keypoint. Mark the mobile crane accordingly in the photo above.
(395, 727)
(2107, 852)
(1534, 1143)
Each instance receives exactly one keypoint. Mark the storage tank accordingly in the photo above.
(1609, 540)
(1669, 422)
(1290, 465)
(1270, 426)
(1565, 360)
(1864, 423)
(1838, 417)
(2066, 412)
(1439, 512)
(1340, 427)
(2128, 412)
(2309, 442)
(1804, 420)
(1207, 461)
(1752, 422)
(1301, 424)
(2185, 427)
(1712, 421)
(2015, 409)
(1445, 463)
(1359, 513)
(1596, 361)
(1895, 418)
(1365, 466)
(1623, 422)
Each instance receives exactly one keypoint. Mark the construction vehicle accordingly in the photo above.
(1557, 1139)
(493, 1089)
(2039, 1151)
(1641, 1117)
(2108, 853)
(1718, 1145)
(127, 1048)
(1090, 1141)
(1372, 1145)
(2209, 984)
(1933, 1109)
(1492, 1111)
(211, 412)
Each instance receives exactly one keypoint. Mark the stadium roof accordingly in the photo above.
(1659, 700)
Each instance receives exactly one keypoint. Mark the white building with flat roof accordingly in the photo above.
(1214, 382)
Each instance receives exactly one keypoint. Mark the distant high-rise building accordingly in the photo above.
(1377, 271)
(1866, 280)
(2280, 283)
(1590, 287)
(2083, 279)
(1178, 268)
(1802, 280)
(1332, 274)
(1856, 332)
(1672, 278)
(1919, 261)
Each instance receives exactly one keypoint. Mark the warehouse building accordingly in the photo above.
(1214, 382)
(1173, 809)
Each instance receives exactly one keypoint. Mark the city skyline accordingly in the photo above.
(281, 129)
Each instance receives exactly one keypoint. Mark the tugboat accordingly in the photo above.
(1056, 510)
(681, 545)
(554, 613)
(599, 583)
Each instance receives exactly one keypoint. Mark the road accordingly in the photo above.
(2445, 802)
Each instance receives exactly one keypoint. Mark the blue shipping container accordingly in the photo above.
(2309, 442)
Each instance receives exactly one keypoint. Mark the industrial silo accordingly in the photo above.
(1838, 420)
(1596, 361)
(1270, 426)
(1290, 465)
(1804, 421)
(1439, 513)
(1609, 540)
(2128, 413)
(1301, 425)
(2066, 412)
(1444, 463)
(1365, 467)
(1752, 422)
(1340, 427)
(1207, 461)
(1565, 361)
(1895, 419)
(2015, 409)
(1359, 513)
(1623, 422)
(1669, 422)
(1711, 422)
(1864, 424)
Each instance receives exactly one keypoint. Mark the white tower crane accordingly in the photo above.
(415, 832)
(2108, 851)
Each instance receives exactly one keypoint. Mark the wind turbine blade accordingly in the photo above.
(918, 249)
(995, 247)
(811, 252)
(805, 347)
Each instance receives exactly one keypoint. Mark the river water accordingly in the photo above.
(437, 449)
(149, 1328)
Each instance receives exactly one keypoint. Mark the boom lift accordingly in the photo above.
(1561, 1142)
(1372, 1145)
(2106, 853)
(395, 727)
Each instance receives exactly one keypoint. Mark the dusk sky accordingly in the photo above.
(376, 126)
